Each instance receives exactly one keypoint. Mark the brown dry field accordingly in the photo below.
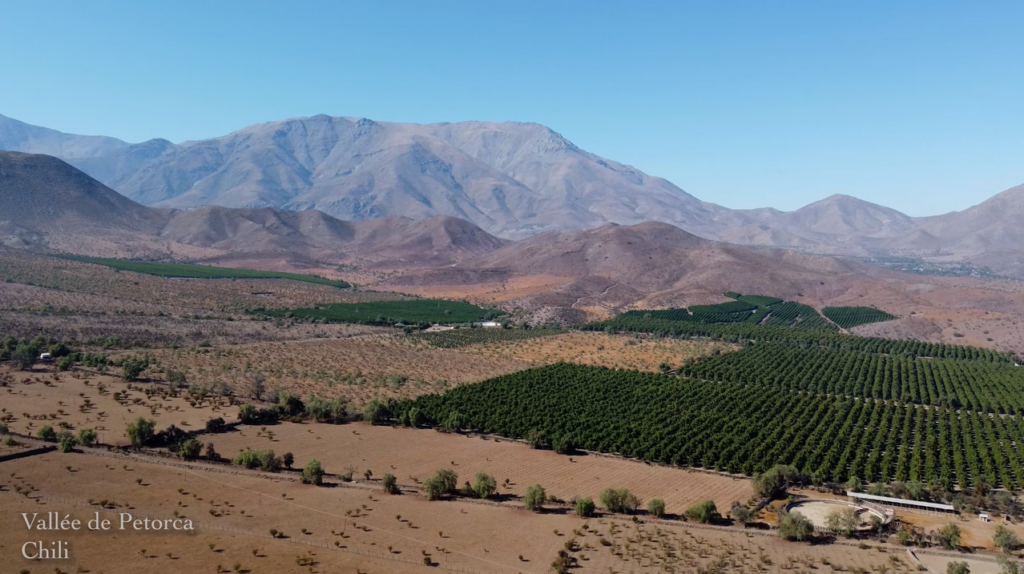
(43, 395)
(615, 351)
(381, 533)
(356, 368)
(413, 454)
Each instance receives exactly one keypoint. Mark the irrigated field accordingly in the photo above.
(203, 271)
(412, 311)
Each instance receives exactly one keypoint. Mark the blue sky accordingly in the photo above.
(917, 105)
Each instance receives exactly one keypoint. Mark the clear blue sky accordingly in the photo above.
(918, 105)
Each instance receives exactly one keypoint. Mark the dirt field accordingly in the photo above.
(615, 351)
(77, 400)
(375, 533)
(356, 368)
(412, 455)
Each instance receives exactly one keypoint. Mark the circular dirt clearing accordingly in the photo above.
(817, 512)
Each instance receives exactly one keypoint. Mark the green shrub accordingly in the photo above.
(656, 507)
(67, 443)
(46, 433)
(87, 437)
(949, 536)
(190, 449)
(141, 431)
(620, 500)
(313, 473)
(585, 507)
(704, 512)
(795, 526)
(390, 483)
(484, 485)
(535, 497)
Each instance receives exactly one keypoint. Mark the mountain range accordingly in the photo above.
(513, 180)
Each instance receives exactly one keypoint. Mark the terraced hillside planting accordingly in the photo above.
(189, 270)
(414, 311)
(847, 317)
(738, 428)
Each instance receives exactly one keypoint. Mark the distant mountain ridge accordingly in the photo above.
(511, 179)
(47, 203)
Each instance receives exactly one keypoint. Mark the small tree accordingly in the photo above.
(390, 483)
(376, 412)
(535, 497)
(795, 526)
(949, 536)
(216, 425)
(954, 567)
(141, 432)
(842, 521)
(449, 479)
(704, 512)
(25, 355)
(742, 514)
(190, 449)
(775, 480)
(620, 500)
(46, 433)
(211, 452)
(313, 473)
(133, 367)
(484, 485)
(585, 507)
(656, 507)
(1005, 539)
(248, 414)
(87, 437)
(288, 459)
(67, 443)
(1008, 566)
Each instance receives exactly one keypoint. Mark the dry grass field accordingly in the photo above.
(356, 368)
(614, 351)
(412, 455)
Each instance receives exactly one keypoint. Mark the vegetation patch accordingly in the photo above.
(188, 270)
(847, 317)
(420, 312)
(463, 337)
(737, 428)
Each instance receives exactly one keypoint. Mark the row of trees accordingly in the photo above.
(736, 428)
(635, 322)
(975, 385)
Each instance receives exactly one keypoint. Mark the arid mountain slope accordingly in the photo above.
(47, 203)
(512, 179)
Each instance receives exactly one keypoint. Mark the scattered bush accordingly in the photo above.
(620, 500)
(67, 443)
(190, 449)
(46, 433)
(313, 473)
(656, 507)
(949, 536)
(87, 437)
(141, 432)
(585, 507)
(484, 485)
(795, 526)
(390, 483)
(704, 512)
(535, 497)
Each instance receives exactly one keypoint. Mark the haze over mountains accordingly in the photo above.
(511, 179)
